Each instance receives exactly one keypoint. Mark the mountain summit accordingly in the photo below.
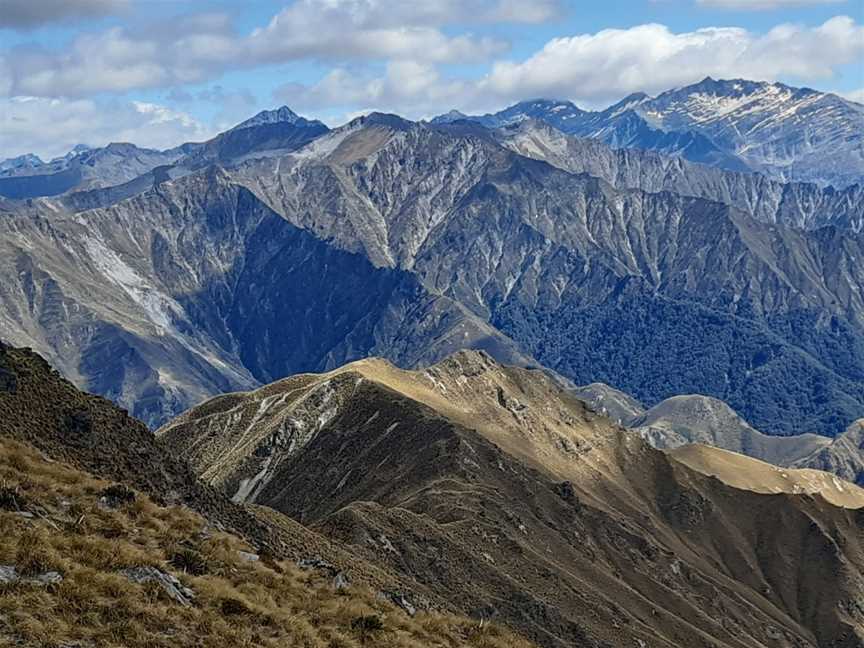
(283, 115)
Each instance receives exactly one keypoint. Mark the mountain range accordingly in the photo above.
(683, 420)
(641, 270)
(789, 134)
(545, 377)
(496, 488)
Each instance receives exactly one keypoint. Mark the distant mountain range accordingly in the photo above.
(789, 134)
(595, 376)
(282, 246)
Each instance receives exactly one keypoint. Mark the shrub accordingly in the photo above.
(190, 561)
(367, 626)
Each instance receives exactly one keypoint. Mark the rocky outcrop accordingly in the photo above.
(169, 584)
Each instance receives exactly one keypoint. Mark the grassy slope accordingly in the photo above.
(238, 602)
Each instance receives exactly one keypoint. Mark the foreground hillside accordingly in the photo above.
(107, 539)
(86, 562)
(492, 487)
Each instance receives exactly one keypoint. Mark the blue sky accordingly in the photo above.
(159, 72)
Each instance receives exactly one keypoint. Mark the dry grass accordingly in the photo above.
(238, 603)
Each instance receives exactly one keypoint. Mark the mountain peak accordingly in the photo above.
(26, 161)
(281, 115)
(388, 120)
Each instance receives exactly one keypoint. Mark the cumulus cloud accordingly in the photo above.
(762, 5)
(196, 48)
(651, 58)
(51, 127)
(595, 69)
(357, 29)
(408, 87)
(31, 14)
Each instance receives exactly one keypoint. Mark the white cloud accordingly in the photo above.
(195, 48)
(30, 14)
(651, 58)
(407, 87)
(595, 69)
(51, 127)
(762, 5)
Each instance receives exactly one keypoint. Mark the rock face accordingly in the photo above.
(198, 288)
(543, 255)
(426, 239)
(793, 204)
(495, 486)
(788, 134)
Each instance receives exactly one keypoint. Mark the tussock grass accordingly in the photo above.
(238, 603)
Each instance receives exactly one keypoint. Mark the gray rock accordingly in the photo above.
(341, 581)
(9, 575)
(399, 600)
(169, 584)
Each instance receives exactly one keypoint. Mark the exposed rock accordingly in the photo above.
(786, 133)
(172, 587)
(470, 245)
(341, 581)
(9, 576)
(566, 492)
(400, 600)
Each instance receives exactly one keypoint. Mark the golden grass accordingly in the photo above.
(238, 603)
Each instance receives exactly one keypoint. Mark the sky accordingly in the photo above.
(161, 72)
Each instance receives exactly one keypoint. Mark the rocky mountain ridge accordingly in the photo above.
(139, 551)
(788, 134)
(794, 204)
(494, 485)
